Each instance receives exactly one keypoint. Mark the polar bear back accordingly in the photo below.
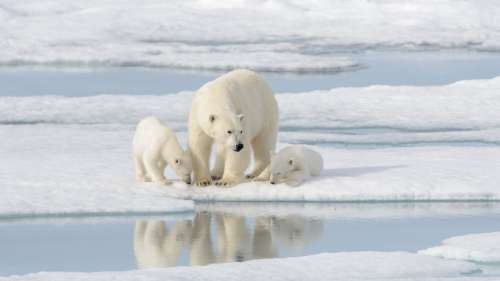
(314, 161)
(305, 158)
(239, 92)
(151, 133)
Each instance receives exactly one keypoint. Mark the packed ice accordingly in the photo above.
(272, 35)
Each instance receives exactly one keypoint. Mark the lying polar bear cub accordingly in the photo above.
(292, 165)
(155, 145)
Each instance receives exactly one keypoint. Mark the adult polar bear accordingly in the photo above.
(234, 112)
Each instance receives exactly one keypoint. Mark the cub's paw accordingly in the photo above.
(216, 177)
(249, 176)
(202, 183)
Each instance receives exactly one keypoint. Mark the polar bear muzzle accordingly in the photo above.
(238, 147)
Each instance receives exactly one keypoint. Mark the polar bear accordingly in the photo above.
(292, 165)
(155, 145)
(235, 112)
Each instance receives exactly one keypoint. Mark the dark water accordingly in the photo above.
(220, 233)
(414, 68)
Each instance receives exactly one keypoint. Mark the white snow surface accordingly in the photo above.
(71, 155)
(266, 35)
(54, 171)
(332, 266)
(390, 174)
(465, 111)
(480, 247)
(356, 211)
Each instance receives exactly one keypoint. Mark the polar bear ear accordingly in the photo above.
(241, 117)
(212, 118)
(290, 161)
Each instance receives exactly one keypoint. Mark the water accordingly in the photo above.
(417, 68)
(224, 232)
(234, 232)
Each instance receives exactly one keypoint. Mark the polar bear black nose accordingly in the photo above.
(238, 147)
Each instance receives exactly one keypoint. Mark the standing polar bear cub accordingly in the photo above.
(236, 112)
(155, 145)
(292, 165)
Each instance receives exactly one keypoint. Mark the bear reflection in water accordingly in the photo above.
(157, 244)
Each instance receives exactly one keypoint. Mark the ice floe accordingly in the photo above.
(273, 35)
(480, 247)
(330, 266)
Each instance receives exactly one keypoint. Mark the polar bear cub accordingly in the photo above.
(292, 165)
(155, 145)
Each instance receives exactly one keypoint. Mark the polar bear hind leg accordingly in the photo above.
(200, 146)
(151, 163)
(140, 170)
(262, 145)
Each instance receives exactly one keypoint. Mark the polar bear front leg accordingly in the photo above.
(200, 146)
(234, 167)
(220, 159)
(153, 169)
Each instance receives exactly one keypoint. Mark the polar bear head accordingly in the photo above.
(281, 166)
(182, 166)
(227, 129)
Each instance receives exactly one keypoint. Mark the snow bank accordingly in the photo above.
(348, 211)
(289, 35)
(481, 247)
(462, 112)
(335, 266)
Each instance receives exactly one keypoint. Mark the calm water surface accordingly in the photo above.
(417, 68)
(220, 233)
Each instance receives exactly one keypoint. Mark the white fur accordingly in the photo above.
(155, 145)
(239, 102)
(292, 165)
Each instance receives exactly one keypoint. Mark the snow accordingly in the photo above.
(271, 35)
(71, 155)
(480, 247)
(54, 171)
(390, 174)
(349, 211)
(335, 266)
(465, 111)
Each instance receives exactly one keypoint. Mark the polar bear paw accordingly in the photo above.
(203, 183)
(143, 178)
(216, 177)
(225, 183)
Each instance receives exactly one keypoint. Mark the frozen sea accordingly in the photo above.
(395, 131)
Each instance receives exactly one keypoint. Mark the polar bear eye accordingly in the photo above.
(241, 132)
(229, 132)
(177, 161)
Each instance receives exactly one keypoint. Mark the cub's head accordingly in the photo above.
(280, 167)
(182, 166)
(227, 130)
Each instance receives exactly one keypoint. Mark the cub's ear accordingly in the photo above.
(241, 117)
(212, 118)
(291, 161)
